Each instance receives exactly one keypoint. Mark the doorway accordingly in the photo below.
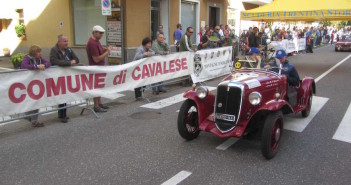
(214, 13)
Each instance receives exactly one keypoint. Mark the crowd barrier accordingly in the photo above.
(25, 90)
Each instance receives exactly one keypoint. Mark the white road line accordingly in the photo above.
(229, 142)
(298, 123)
(177, 178)
(168, 101)
(343, 133)
(331, 69)
(177, 110)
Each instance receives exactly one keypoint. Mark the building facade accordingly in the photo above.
(130, 22)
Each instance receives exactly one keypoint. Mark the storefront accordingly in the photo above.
(130, 22)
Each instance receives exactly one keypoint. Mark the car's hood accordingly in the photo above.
(252, 78)
(344, 42)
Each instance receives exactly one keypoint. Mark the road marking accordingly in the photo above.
(177, 178)
(169, 101)
(331, 69)
(343, 133)
(177, 110)
(229, 142)
(298, 123)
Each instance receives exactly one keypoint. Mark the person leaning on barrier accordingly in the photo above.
(96, 56)
(62, 55)
(34, 61)
(187, 45)
(160, 47)
(206, 43)
(142, 52)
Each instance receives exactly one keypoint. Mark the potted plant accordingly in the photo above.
(16, 60)
(21, 31)
(6, 52)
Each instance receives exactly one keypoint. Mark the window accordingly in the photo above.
(87, 14)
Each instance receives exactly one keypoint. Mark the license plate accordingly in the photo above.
(225, 117)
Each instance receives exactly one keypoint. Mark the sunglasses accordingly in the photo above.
(191, 32)
(101, 33)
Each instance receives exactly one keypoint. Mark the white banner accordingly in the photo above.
(289, 45)
(22, 91)
(209, 64)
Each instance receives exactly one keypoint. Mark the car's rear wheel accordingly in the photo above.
(271, 134)
(306, 112)
(188, 122)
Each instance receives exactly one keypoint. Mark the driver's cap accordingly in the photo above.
(280, 53)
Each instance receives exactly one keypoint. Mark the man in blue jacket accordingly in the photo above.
(288, 69)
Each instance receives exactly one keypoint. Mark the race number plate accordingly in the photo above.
(225, 117)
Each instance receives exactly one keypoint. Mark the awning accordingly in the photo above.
(300, 10)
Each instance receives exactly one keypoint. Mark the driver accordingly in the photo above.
(287, 69)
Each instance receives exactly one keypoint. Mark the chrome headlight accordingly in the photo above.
(255, 98)
(201, 92)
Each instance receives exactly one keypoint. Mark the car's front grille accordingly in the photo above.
(228, 105)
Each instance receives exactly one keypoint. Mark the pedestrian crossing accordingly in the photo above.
(343, 133)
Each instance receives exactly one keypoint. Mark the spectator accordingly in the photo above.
(185, 42)
(206, 27)
(160, 30)
(332, 38)
(221, 33)
(206, 42)
(178, 35)
(275, 36)
(96, 56)
(218, 35)
(62, 55)
(226, 32)
(253, 38)
(161, 48)
(142, 52)
(187, 45)
(34, 61)
(200, 35)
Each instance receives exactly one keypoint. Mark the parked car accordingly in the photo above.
(344, 44)
(249, 101)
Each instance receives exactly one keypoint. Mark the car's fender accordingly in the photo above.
(275, 105)
(306, 86)
(204, 106)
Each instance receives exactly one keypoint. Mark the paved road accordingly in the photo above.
(135, 145)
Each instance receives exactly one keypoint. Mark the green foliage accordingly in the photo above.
(16, 60)
(326, 23)
(20, 29)
(341, 24)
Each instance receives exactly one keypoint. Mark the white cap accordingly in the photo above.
(98, 28)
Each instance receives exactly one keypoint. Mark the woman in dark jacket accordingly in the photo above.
(34, 61)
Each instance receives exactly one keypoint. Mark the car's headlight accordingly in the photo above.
(201, 92)
(255, 98)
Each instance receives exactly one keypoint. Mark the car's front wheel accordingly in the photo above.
(271, 134)
(188, 122)
(306, 112)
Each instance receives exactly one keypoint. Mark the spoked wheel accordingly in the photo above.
(307, 110)
(271, 134)
(188, 122)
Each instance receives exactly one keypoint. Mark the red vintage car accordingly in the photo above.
(248, 101)
(344, 44)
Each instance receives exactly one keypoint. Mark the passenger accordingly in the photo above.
(34, 61)
(255, 55)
